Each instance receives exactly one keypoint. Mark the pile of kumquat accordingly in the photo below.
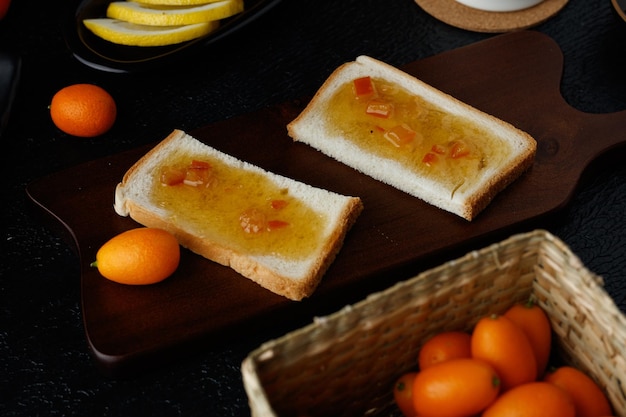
(500, 369)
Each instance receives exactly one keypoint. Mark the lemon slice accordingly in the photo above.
(125, 33)
(175, 2)
(173, 15)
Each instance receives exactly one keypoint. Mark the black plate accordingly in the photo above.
(103, 55)
(10, 66)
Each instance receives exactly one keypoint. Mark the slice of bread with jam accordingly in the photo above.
(399, 130)
(276, 231)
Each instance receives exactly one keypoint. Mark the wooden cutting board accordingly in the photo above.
(515, 77)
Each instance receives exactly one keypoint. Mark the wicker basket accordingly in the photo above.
(345, 364)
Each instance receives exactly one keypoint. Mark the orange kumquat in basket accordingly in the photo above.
(534, 399)
(535, 324)
(589, 399)
(443, 347)
(403, 394)
(455, 388)
(502, 344)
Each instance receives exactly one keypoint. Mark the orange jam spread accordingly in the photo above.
(388, 121)
(240, 207)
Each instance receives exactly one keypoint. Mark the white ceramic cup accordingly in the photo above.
(500, 5)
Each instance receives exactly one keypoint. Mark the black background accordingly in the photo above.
(45, 366)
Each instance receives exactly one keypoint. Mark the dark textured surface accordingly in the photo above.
(45, 368)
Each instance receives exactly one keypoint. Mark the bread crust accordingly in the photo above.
(311, 127)
(261, 271)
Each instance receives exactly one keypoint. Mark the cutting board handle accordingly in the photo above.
(517, 78)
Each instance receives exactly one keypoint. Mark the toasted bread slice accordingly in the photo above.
(276, 231)
(403, 132)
